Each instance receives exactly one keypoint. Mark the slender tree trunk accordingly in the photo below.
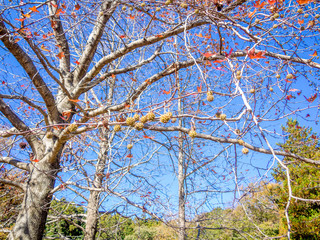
(94, 198)
(181, 176)
(32, 218)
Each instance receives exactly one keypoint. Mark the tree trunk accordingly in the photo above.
(94, 198)
(181, 176)
(32, 218)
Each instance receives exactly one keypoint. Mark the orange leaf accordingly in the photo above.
(314, 54)
(312, 98)
(130, 17)
(200, 35)
(301, 21)
(145, 136)
(219, 61)
(74, 100)
(60, 55)
(199, 89)
(208, 54)
(34, 9)
(20, 19)
(288, 81)
(123, 36)
(77, 6)
(256, 55)
(251, 14)
(166, 92)
(44, 48)
(35, 160)
(271, 2)
(304, 1)
(257, 4)
(77, 62)
(26, 15)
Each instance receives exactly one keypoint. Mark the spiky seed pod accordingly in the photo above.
(49, 134)
(72, 127)
(209, 93)
(271, 89)
(143, 4)
(300, 10)
(223, 117)
(136, 117)
(240, 141)
(167, 2)
(245, 150)
(289, 76)
(130, 121)
(164, 118)
(238, 73)
(184, 5)
(150, 116)
(238, 131)
(317, 16)
(196, 11)
(192, 133)
(278, 76)
(210, 98)
(131, 8)
(139, 126)
(276, 15)
(129, 146)
(173, 120)
(158, 9)
(218, 114)
(144, 119)
(306, 15)
(124, 8)
(169, 114)
(252, 90)
(117, 128)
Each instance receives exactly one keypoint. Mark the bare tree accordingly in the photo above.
(239, 64)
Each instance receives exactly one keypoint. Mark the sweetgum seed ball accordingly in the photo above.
(192, 134)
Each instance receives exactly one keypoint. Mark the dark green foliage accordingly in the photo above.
(65, 220)
(305, 182)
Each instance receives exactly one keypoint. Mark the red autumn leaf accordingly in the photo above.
(288, 81)
(312, 98)
(199, 89)
(256, 55)
(130, 17)
(288, 97)
(271, 2)
(314, 54)
(20, 19)
(60, 11)
(208, 54)
(107, 175)
(301, 2)
(77, 62)
(122, 36)
(60, 55)
(54, 5)
(257, 4)
(229, 54)
(301, 21)
(130, 156)
(219, 61)
(77, 6)
(145, 136)
(166, 92)
(34, 9)
(35, 160)
(74, 100)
